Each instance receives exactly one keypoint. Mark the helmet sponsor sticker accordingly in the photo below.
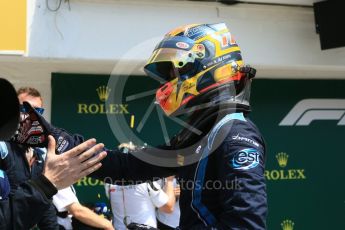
(225, 40)
(199, 50)
(191, 32)
(182, 45)
(246, 159)
(232, 39)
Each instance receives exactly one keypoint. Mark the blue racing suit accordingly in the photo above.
(222, 188)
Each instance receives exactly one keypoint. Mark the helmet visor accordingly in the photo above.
(167, 63)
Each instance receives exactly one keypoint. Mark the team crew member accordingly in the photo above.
(68, 206)
(204, 78)
(24, 163)
(138, 203)
(169, 221)
(27, 183)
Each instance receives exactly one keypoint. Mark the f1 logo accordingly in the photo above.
(308, 110)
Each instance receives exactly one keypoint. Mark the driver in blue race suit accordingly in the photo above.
(219, 158)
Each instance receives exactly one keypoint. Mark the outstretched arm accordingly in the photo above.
(169, 190)
(120, 168)
(87, 216)
(34, 130)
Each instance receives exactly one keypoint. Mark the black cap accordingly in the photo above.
(9, 115)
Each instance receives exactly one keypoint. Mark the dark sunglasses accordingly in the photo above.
(23, 109)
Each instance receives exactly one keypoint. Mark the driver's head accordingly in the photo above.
(198, 64)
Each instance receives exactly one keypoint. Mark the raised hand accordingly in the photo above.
(66, 169)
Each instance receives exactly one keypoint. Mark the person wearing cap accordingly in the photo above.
(27, 183)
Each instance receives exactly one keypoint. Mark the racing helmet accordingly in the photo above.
(199, 65)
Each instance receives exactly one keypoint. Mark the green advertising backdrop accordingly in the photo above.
(302, 121)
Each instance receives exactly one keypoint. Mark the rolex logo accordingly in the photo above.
(287, 225)
(103, 92)
(282, 159)
(282, 173)
(102, 108)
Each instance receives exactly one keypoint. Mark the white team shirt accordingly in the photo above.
(61, 200)
(170, 219)
(137, 201)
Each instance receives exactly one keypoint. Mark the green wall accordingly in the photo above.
(306, 190)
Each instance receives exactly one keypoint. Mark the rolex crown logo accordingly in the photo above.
(103, 92)
(287, 225)
(282, 159)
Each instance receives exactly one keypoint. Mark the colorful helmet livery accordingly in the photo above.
(198, 64)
